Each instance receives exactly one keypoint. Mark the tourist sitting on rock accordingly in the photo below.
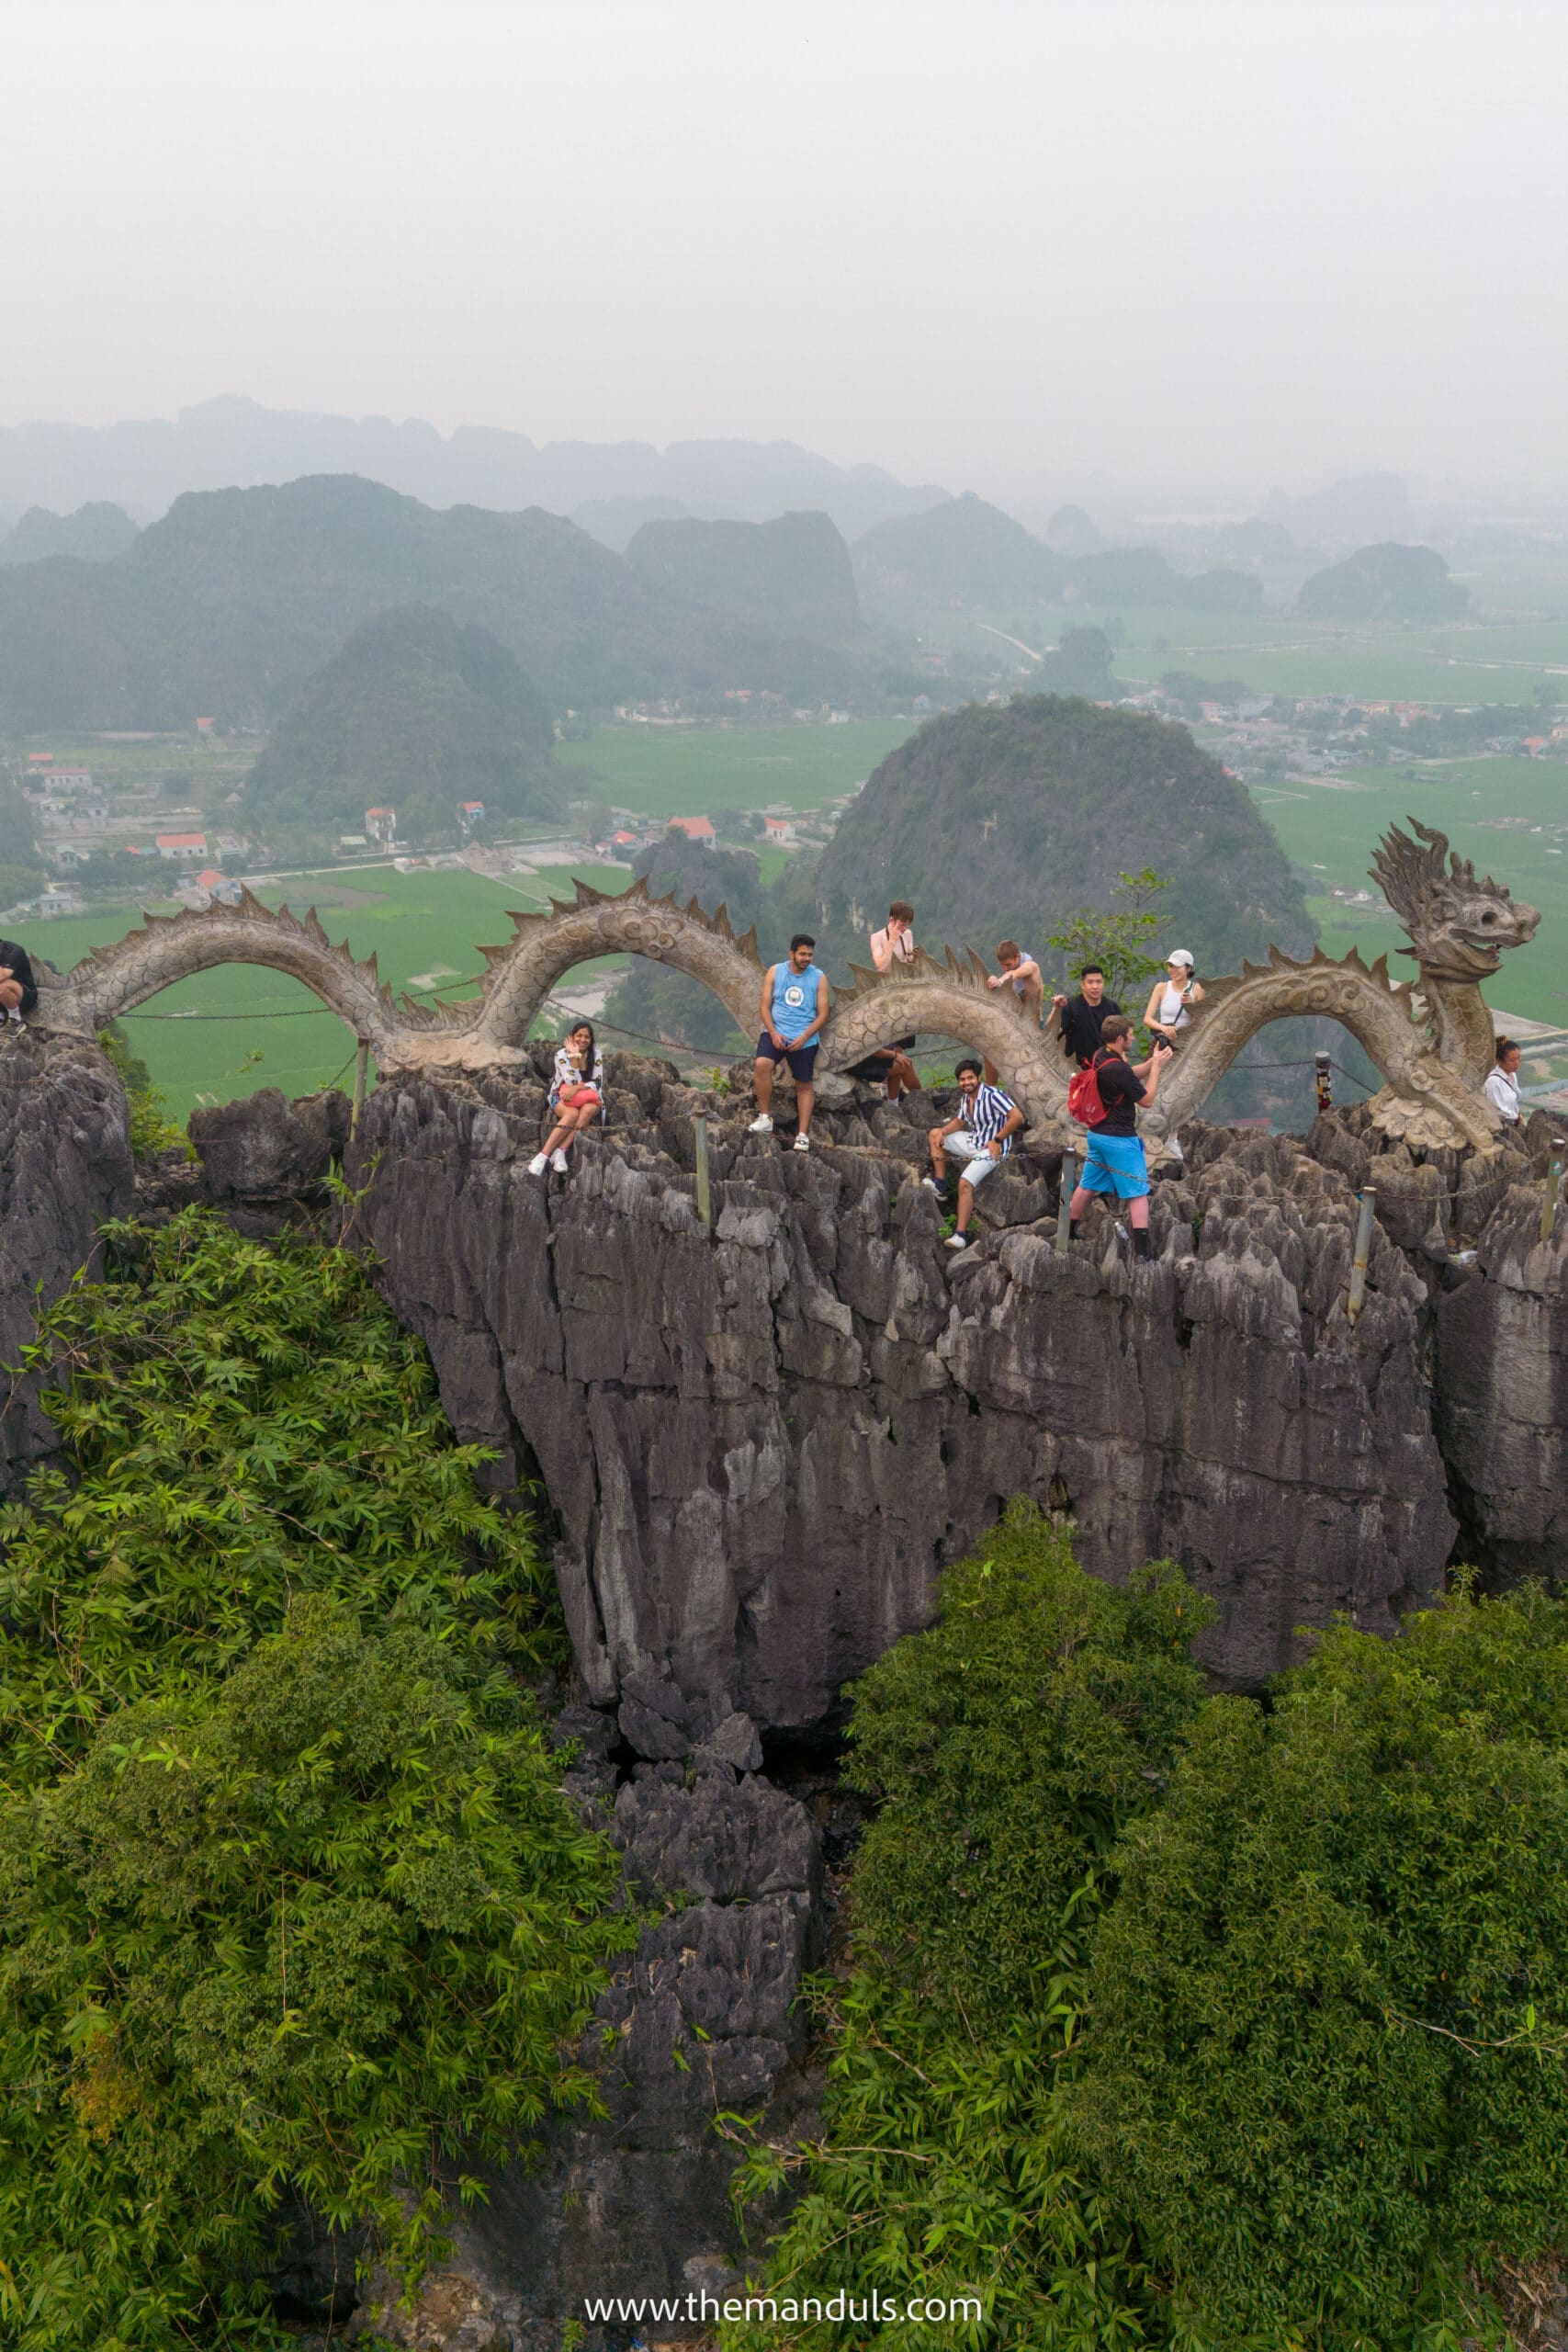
(1115, 1161)
(980, 1134)
(576, 1098)
(1082, 1015)
(18, 989)
(795, 1007)
(1501, 1085)
(1171, 1000)
(890, 1066)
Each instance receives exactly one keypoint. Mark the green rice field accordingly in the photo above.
(665, 771)
(1275, 653)
(228, 1031)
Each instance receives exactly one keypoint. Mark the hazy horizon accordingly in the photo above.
(1176, 252)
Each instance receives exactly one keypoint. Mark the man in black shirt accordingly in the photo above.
(1114, 1162)
(1082, 1014)
(18, 989)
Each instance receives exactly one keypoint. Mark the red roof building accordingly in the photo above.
(696, 829)
(181, 844)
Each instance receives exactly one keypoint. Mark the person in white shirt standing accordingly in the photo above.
(890, 950)
(1501, 1084)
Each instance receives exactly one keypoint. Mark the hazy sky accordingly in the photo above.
(1004, 246)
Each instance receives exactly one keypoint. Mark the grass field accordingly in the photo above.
(660, 772)
(1510, 816)
(424, 929)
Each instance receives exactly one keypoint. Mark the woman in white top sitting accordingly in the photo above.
(1171, 1000)
(577, 1097)
(1501, 1084)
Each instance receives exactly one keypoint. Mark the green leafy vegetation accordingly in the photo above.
(245, 1423)
(1188, 2024)
(151, 1129)
(1009, 1747)
(1116, 938)
(318, 1932)
(291, 1907)
(1327, 2067)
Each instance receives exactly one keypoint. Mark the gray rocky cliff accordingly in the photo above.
(65, 1167)
(760, 1446)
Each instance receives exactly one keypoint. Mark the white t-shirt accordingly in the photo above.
(1503, 1091)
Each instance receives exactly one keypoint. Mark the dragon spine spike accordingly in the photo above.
(746, 945)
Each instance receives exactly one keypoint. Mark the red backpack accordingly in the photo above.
(1085, 1102)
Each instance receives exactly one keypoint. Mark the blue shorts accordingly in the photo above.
(802, 1060)
(1115, 1164)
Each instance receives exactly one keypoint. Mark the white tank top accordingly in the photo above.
(1173, 1011)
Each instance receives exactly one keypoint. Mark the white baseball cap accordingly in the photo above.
(1180, 956)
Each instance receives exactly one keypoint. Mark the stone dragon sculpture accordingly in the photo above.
(1432, 1039)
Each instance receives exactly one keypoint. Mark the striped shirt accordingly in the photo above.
(986, 1114)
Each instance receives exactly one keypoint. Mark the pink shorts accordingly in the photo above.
(574, 1098)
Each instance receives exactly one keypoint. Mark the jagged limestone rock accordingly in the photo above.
(759, 1448)
(65, 1167)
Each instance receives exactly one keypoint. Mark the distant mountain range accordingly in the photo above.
(229, 603)
(611, 487)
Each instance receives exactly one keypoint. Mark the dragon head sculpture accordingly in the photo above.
(1457, 927)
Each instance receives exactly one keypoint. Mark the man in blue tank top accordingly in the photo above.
(795, 1006)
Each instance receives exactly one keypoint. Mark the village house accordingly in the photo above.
(182, 846)
(696, 829)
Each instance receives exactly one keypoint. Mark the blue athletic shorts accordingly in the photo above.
(1115, 1164)
(802, 1060)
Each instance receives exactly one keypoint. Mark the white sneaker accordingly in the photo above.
(802, 1141)
(538, 1164)
(560, 1162)
(956, 1242)
(761, 1125)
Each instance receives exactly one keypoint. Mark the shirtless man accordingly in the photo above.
(891, 949)
(1022, 974)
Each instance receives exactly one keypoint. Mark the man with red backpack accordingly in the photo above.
(1105, 1098)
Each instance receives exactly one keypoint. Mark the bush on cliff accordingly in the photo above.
(1327, 2066)
(321, 1929)
(290, 1898)
(1008, 1744)
(244, 1421)
(1188, 2023)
